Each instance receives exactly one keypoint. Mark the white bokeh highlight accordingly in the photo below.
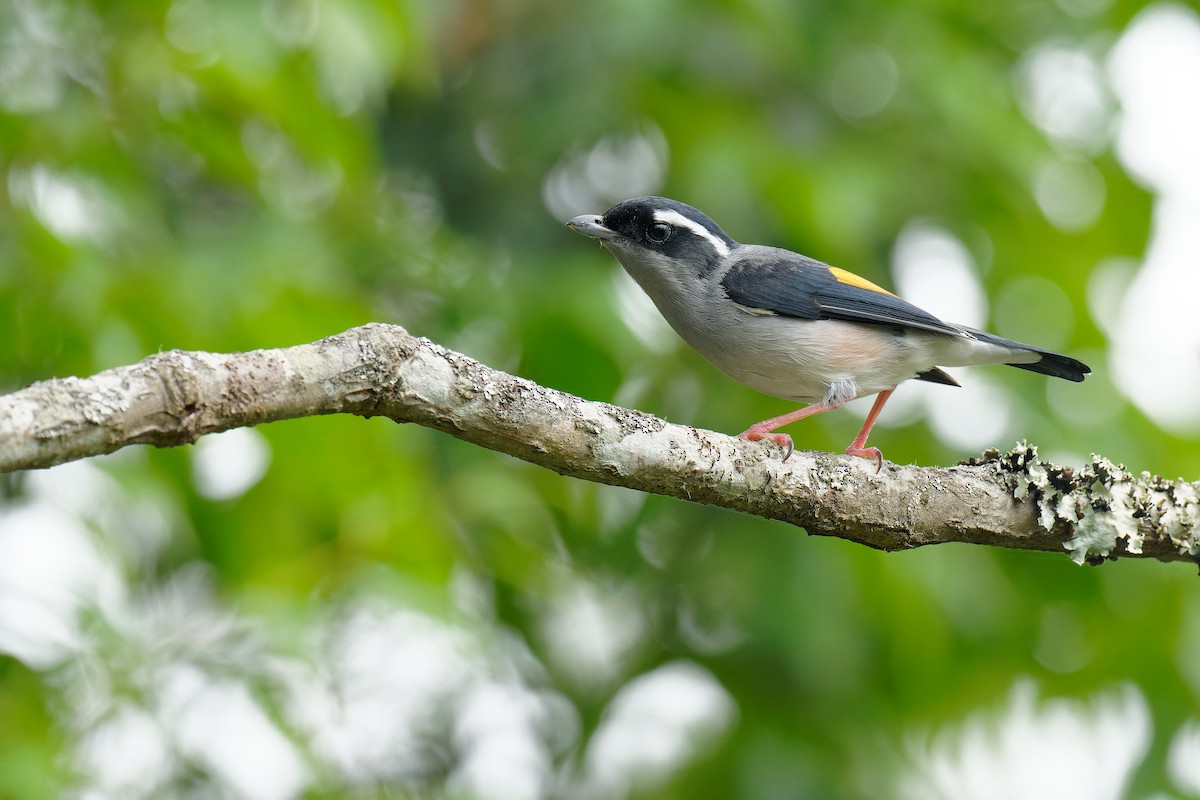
(1183, 759)
(1034, 308)
(49, 569)
(935, 271)
(591, 632)
(127, 754)
(1155, 341)
(1050, 750)
(386, 675)
(1106, 289)
(864, 83)
(655, 724)
(1062, 90)
(75, 208)
(973, 417)
(588, 181)
(498, 731)
(50, 566)
(41, 54)
(229, 464)
(1070, 193)
(217, 723)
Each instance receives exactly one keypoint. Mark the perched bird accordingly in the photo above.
(788, 325)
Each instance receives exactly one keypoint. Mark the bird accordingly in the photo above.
(790, 326)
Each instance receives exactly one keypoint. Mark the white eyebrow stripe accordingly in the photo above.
(675, 218)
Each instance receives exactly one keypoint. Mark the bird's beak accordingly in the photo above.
(591, 225)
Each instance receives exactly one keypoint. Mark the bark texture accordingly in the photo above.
(1011, 500)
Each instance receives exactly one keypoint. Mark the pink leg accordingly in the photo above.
(763, 429)
(857, 447)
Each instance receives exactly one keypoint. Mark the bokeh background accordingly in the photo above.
(334, 607)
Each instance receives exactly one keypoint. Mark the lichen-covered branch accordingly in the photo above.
(1010, 500)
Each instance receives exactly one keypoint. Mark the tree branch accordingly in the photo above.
(1011, 500)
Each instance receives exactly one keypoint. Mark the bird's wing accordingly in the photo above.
(793, 285)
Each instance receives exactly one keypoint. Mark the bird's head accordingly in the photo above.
(657, 236)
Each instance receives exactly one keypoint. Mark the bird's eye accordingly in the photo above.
(659, 232)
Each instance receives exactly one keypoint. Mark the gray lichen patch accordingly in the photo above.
(836, 476)
(1104, 506)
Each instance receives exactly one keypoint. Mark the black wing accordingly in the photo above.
(797, 286)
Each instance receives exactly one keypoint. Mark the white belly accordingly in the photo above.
(801, 359)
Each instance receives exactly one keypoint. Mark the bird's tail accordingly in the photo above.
(1050, 363)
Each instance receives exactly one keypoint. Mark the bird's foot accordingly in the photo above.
(756, 434)
(869, 453)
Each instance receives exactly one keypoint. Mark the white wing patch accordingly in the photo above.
(675, 218)
(758, 312)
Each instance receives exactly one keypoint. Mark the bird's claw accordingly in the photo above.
(784, 441)
(781, 439)
(869, 453)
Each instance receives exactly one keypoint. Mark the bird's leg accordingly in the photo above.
(857, 447)
(763, 429)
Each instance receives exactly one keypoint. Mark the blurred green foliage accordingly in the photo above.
(220, 175)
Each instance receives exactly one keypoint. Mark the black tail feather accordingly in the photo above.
(1054, 364)
(1059, 366)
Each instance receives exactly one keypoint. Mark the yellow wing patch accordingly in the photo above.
(850, 278)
